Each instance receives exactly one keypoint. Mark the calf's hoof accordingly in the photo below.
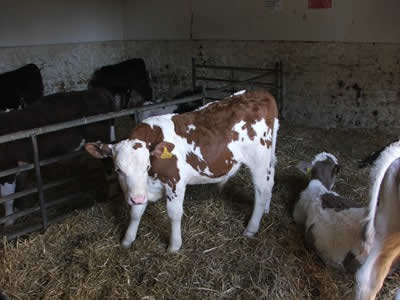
(174, 248)
(249, 234)
(126, 244)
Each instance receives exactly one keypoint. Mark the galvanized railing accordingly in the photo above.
(273, 79)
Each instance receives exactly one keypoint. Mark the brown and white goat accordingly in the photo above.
(332, 223)
(382, 226)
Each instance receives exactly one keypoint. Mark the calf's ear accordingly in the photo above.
(163, 150)
(304, 167)
(99, 150)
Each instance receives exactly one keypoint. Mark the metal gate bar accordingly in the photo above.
(39, 181)
(32, 210)
(277, 84)
(91, 119)
(33, 191)
(42, 163)
(33, 228)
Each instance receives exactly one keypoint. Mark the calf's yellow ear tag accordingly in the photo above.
(308, 172)
(166, 154)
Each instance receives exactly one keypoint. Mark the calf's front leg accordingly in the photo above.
(130, 234)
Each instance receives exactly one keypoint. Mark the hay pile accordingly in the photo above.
(81, 258)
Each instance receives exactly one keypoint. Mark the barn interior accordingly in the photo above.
(341, 88)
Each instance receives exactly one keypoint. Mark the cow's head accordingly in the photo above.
(132, 163)
(324, 168)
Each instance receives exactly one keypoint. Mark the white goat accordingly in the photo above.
(332, 223)
(382, 226)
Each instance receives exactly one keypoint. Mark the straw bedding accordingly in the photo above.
(80, 258)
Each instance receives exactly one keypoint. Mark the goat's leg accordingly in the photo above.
(374, 271)
(5, 190)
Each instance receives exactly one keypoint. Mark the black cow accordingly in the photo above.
(20, 87)
(120, 79)
(56, 108)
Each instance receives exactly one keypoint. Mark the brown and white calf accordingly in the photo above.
(166, 153)
(332, 223)
(382, 227)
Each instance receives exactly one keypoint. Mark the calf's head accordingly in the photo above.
(324, 167)
(131, 162)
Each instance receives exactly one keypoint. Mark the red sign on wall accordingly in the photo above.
(319, 3)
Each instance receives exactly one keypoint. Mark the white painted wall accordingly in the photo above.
(27, 22)
(348, 21)
(157, 19)
(38, 22)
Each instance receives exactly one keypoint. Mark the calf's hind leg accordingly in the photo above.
(263, 184)
(175, 212)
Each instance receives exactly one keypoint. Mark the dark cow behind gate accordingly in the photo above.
(165, 153)
(20, 87)
(51, 109)
(120, 79)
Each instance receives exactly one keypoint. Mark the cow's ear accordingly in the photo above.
(99, 150)
(304, 167)
(163, 150)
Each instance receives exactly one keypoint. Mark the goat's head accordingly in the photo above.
(324, 167)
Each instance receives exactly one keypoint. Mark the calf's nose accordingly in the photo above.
(141, 199)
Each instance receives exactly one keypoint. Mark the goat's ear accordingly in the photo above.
(304, 167)
(99, 150)
(336, 169)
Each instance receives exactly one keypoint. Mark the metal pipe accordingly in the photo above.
(26, 230)
(91, 119)
(32, 210)
(30, 191)
(193, 74)
(244, 69)
(203, 101)
(39, 182)
(241, 82)
(223, 80)
(281, 88)
(42, 163)
(33, 228)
